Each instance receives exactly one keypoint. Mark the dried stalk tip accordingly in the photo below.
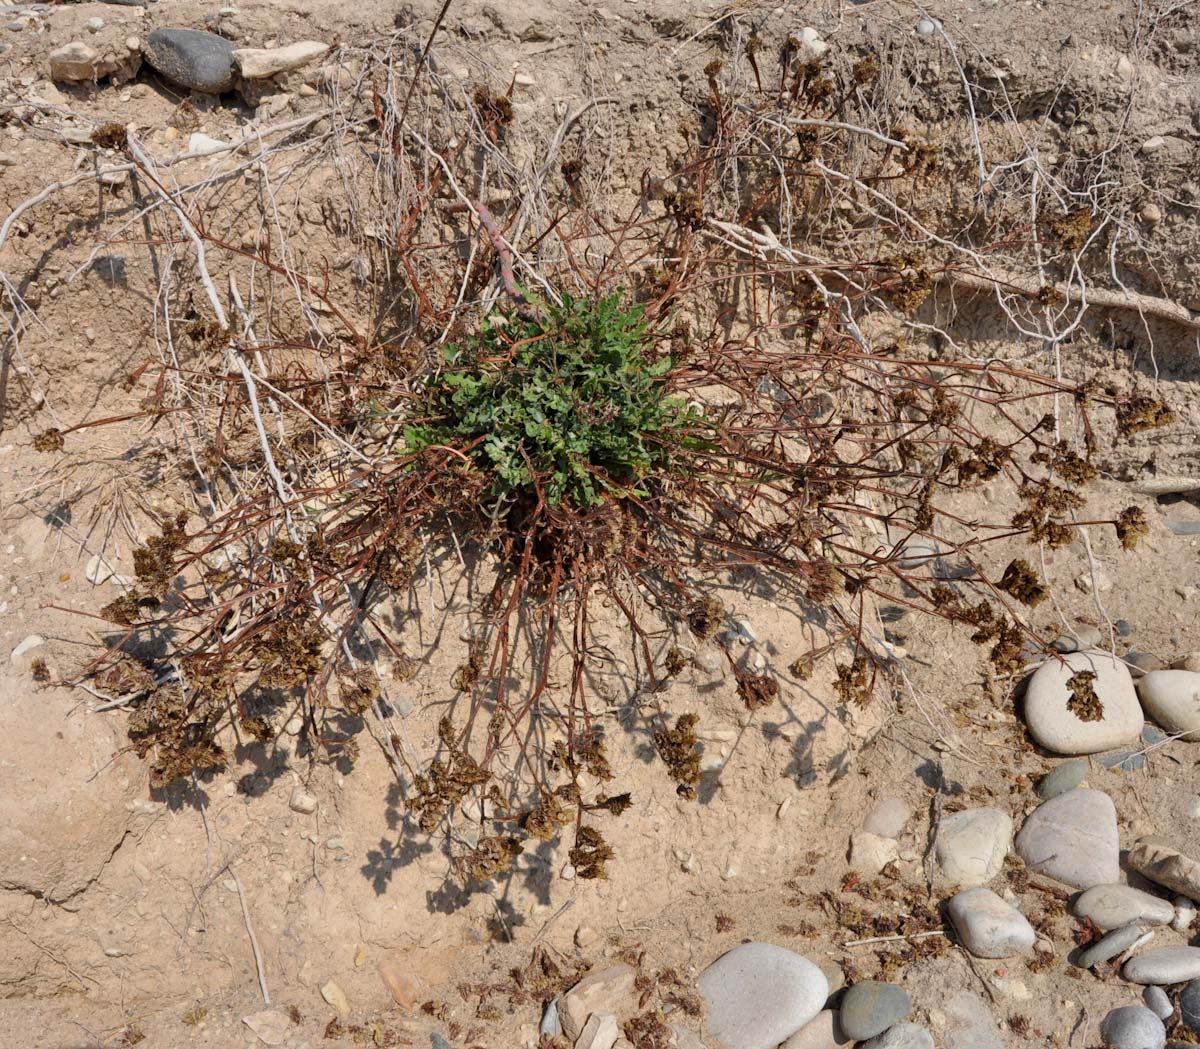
(1022, 582)
(50, 440)
(490, 857)
(1137, 413)
(1084, 703)
(854, 682)
(1132, 527)
(678, 748)
(755, 690)
(590, 854)
(705, 618)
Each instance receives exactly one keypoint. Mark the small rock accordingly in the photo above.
(1185, 914)
(336, 997)
(1058, 728)
(94, 25)
(1112, 906)
(261, 63)
(926, 28)
(303, 802)
(870, 853)
(271, 1026)
(191, 58)
(871, 1007)
(1172, 698)
(887, 819)
(918, 555)
(1164, 965)
(80, 63)
(758, 995)
(970, 1024)
(600, 1032)
(902, 1036)
(1097, 581)
(1153, 145)
(608, 991)
(550, 1024)
(1133, 1027)
(1189, 1005)
(1144, 661)
(567, 873)
(822, 1032)
(1191, 662)
(811, 44)
(1109, 946)
(398, 983)
(1158, 1003)
(524, 80)
(1083, 636)
(989, 927)
(1073, 838)
(28, 644)
(971, 845)
(1061, 779)
(97, 570)
(202, 145)
(1163, 863)
(585, 935)
(294, 726)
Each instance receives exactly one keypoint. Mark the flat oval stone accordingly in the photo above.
(1073, 838)
(1172, 698)
(901, 1036)
(1059, 729)
(1133, 1027)
(1109, 946)
(191, 58)
(1061, 779)
(871, 1007)
(989, 927)
(1165, 965)
(1111, 906)
(758, 995)
(1158, 1003)
(887, 819)
(972, 844)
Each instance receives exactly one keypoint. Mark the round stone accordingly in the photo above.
(1158, 1003)
(1111, 906)
(1166, 965)
(1133, 1027)
(822, 1032)
(925, 27)
(758, 995)
(191, 58)
(901, 1036)
(871, 1007)
(1172, 698)
(1061, 779)
(971, 845)
(989, 927)
(1073, 838)
(1058, 728)
(1189, 1005)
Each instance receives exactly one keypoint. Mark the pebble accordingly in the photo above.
(549, 1024)
(398, 983)
(94, 25)
(1112, 906)
(1163, 863)
(1058, 729)
(97, 570)
(600, 1032)
(1109, 946)
(970, 1024)
(271, 1026)
(758, 995)
(1185, 914)
(902, 1036)
(1133, 1027)
(971, 845)
(887, 819)
(1082, 636)
(1172, 698)
(1151, 213)
(1153, 144)
(1158, 1003)
(989, 927)
(1164, 965)
(303, 802)
(608, 991)
(811, 44)
(585, 935)
(27, 645)
(871, 1007)
(917, 555)
(822, 1032)
(1189, 1005)
(191, 58)
(1062, 778)
(257, 63)
(869, 853)
(336, 997)
(1191, 662)
(1073, 838)
(926, 28)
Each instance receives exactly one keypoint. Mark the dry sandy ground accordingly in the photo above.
(122, 915)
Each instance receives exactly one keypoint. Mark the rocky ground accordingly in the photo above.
(969, 863)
